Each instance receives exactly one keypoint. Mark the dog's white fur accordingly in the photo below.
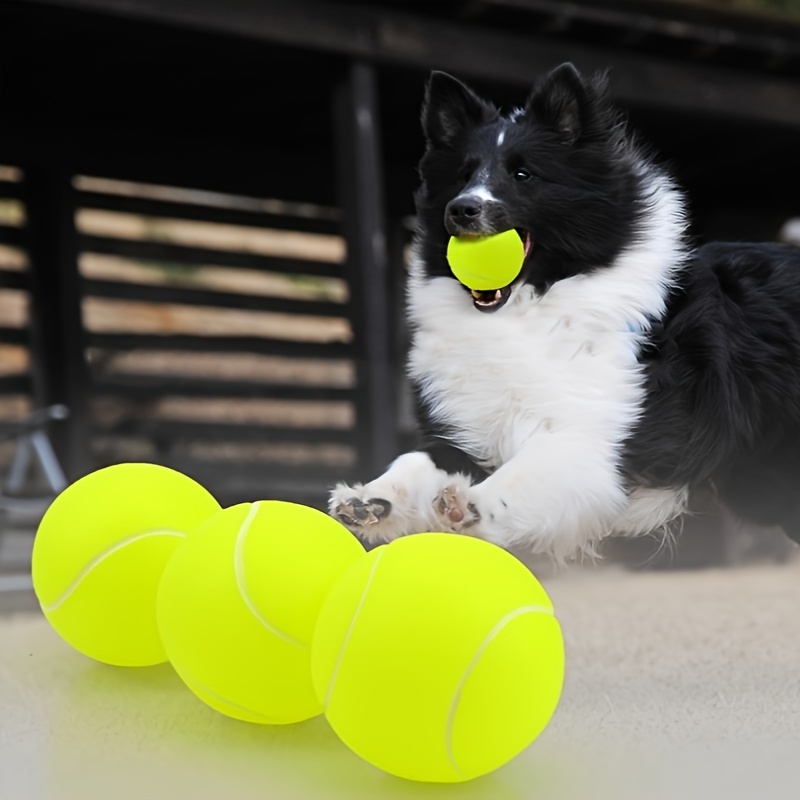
(541, 393)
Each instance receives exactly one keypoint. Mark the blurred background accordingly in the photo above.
(205, 209)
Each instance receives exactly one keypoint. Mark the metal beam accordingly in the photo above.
(360, 179)
(60, 371)
(376, 34)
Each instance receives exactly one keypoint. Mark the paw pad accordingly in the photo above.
(358, 513)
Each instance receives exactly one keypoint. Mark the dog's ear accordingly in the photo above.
(561, 101)
(449, 108)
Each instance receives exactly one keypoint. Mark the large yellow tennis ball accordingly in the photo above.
(238, 603)
(484, 263)
(99, 553)
(438, 657)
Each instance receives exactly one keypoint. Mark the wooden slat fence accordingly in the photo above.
(218, 339)
(15, 374)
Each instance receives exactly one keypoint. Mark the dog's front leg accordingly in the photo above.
(558, 495)
(410, 497)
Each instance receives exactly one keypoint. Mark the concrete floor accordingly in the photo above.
(680, 686)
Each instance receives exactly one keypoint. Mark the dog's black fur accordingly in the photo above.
(723, 384)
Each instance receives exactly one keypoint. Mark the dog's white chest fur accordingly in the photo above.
(564, 363)
(539, 365)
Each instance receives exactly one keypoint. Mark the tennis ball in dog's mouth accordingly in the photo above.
(484, 263)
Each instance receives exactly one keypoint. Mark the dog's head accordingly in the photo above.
(561, 171)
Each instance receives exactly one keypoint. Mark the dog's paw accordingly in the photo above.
(412, 496)
(357, 513)
(453, 508)
(370, 518)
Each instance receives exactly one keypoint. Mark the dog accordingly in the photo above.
(621, 370)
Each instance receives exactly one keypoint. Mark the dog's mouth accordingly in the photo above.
(491, 300)
(494, 299)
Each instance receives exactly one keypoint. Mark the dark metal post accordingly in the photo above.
(59, 369)
(360, 181)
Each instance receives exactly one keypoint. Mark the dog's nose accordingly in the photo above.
(464, 210)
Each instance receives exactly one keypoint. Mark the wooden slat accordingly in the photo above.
(13, 280)
(247, 482)
(266, 472)
(153, 386)
(234, 486)
(11, 235)
(15, 384)
(9, 335)
(156, 293)
(190, 211)
(180, 254)
(178, 430)
(218, 344)
(160, 158)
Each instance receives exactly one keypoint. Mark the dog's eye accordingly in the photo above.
(522, 175)
(465, 174)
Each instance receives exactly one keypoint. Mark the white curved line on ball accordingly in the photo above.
(190, 681)
(490, 637)
(97, 560)
(350, 629)
(241, 580)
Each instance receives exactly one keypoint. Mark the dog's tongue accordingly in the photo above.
(527, 243)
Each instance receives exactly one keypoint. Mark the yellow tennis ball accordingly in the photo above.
(484, 263)
(438, 657)
(238, 602)
(99, 553)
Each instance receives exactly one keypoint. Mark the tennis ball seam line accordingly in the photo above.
(488, 639)
(338, 663)
(189, 678)
(241, 580)
(98, 559)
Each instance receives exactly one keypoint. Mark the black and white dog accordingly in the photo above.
(621, 369)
